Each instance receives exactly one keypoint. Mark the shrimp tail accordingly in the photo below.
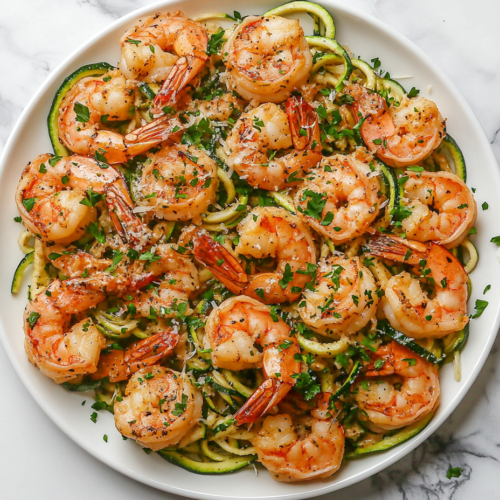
(224, 266)
(152, 350)
(127, 224)
(396, 249)
(184, 70)
(144, 138)
(269, 394)
(302, 116)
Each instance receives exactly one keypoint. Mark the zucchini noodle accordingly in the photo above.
(24, 241)
(473, 255)
(40, 278)
(283, 200)
(323, 350)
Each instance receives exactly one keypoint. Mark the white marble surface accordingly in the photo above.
(38, 461)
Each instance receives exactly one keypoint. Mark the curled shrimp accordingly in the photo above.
(63, 354)
(177, 183)
(267, 58)
(95, 101)
(408, 307)
(232, 330)
(74, 262)
(219, 109)
(180, 279)
(399, 135)
(160, 406)
(339, 198)
(167, 48)
(269, 128)
(52, 198)
(301, 447)
(442, 207)
(343, 299)
(265, 232)
(417, 391)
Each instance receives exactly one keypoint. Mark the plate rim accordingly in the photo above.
(403, 449)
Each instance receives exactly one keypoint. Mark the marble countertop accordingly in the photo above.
(39, 461)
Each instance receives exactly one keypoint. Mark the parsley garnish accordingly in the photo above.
(33, 318)
(29, 203)
(93, 229)
(82, 112)
(480, 306)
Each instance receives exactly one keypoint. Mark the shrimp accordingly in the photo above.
(63, 354)
(119, 365)
(73, 262)
(159, 408)
(344, 297)
(442, 207)
(220, 108)
(399, 135)
(52, 198)
(147, 53)
(301, 448)
(267, 58)
(339, 198)
(180, 279)
(265, 232)
(178, 183)
(406, 305)
(417, 393)
(269, 128)
(95, 101)
(232, 330)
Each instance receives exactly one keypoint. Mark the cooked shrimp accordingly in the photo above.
(220, 108)
(442, 207)
(51, 191)
(74, 262)
(164, 47)
(267, 58)
(178, 183)
(265, 232)
(160, 406)
(406, 305)
(417, 391)
(399, 135)
(94, 101)
(301, 448)
(63, 354)
(339, 198)
(180, 279)
(269, 128)
(344, 297)
(118, 364)
(232, 330)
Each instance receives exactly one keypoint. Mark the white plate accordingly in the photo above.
(366, 37)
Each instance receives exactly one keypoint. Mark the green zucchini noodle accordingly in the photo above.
(326, 253)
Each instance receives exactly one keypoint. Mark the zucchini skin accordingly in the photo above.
(356, 370)
(394, 189)
(456, 154)
(394, 440)
(207, 468)
(384, 328)
(312, 9)
(96, 69)
(18, 274)
(324, 43)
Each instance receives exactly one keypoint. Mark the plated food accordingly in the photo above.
(249, 244)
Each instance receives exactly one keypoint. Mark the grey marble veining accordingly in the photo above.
(463, 38)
